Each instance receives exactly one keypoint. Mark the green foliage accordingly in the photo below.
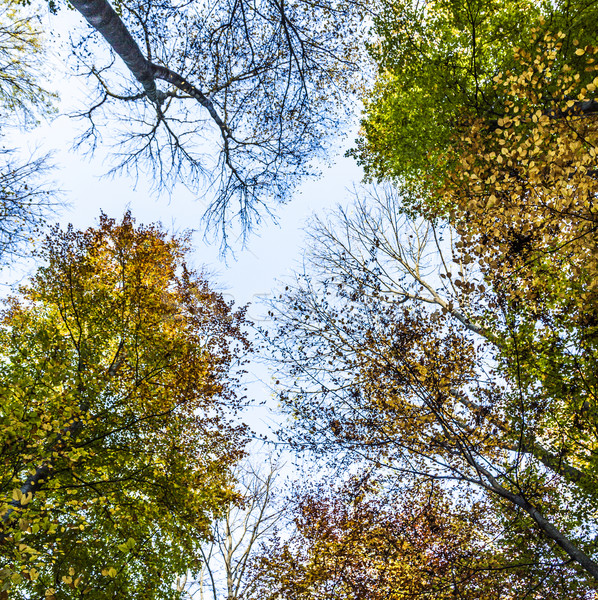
(436, 63)
(117, 365)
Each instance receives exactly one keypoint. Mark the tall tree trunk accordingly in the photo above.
(103, 18)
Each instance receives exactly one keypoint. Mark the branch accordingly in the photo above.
(103, 18)
(182, 84)
(545, 526)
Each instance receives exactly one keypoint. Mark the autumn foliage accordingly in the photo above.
(118, 363)
(445, 332)
(437, 357)
(359, 542)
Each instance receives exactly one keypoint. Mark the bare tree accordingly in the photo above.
(375, 247)
(226, 560)
(267, 81)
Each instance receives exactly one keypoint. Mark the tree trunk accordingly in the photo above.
(103, 18)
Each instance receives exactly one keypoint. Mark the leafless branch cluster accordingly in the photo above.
(25, 202)
(266, 82)
(227, 559)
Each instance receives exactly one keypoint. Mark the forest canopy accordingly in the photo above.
(441, 333)
(435, 358)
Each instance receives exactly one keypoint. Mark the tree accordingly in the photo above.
(516, 178)
(523, 199)
(523, 205)
(25, 198)
(360, 541)
(441, 393)
(118, 364)
(272, 78)
(22, 96)
(227, 558)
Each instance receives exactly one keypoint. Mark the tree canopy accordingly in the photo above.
(437, 62)
(359, 542)
(419, 370)
(26, 198)
(443, 332)
(118, 374)
(437, 353)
